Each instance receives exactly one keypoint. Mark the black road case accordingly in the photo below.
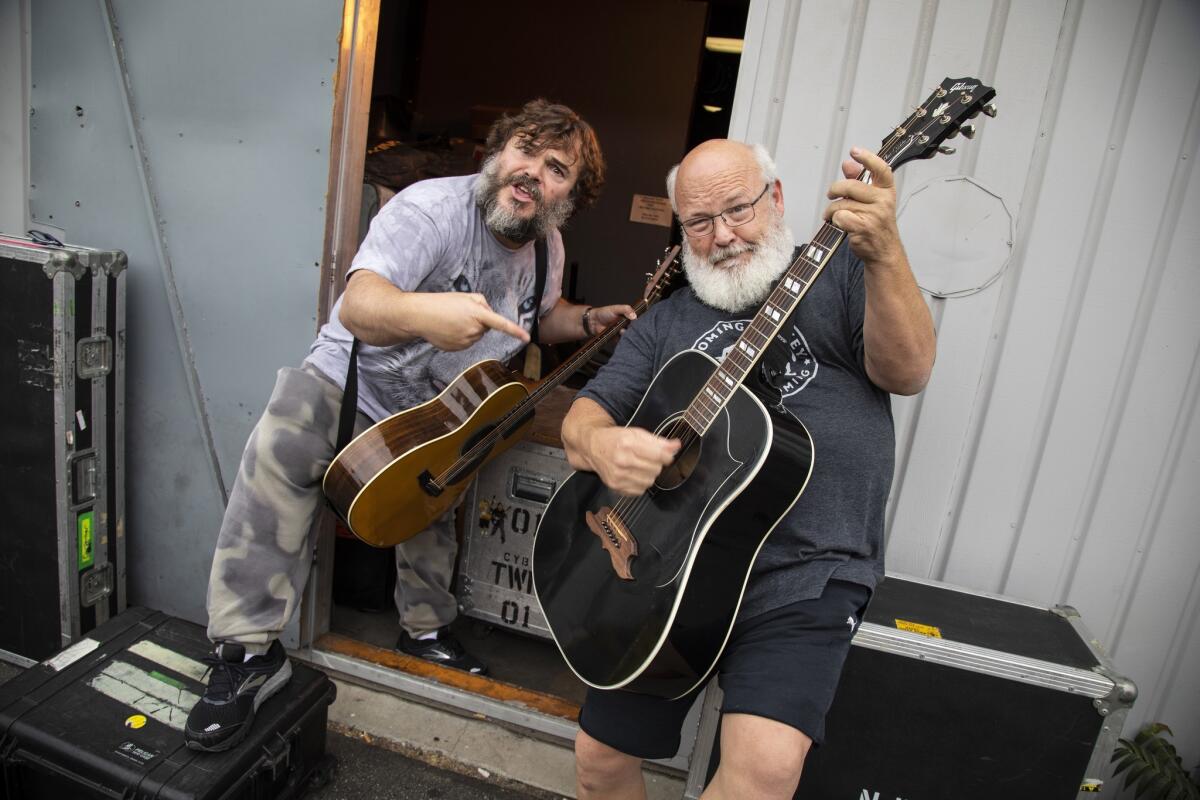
(62, 500)
(104, 719)
(949, 693)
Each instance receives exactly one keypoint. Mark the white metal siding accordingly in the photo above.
(1055, 455)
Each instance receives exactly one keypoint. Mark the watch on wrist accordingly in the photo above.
(587, 321)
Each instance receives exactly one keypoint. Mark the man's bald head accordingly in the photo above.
(720, 156)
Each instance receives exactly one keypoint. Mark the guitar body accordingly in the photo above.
(662, 632)
(377, 483)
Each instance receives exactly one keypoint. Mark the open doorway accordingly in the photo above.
(653, 77)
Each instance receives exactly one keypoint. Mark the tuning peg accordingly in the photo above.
(990, 109)
(946, 150)
(968, 131)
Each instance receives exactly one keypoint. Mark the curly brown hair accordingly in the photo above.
(541, 124)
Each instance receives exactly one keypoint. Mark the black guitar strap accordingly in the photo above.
(349, 401)
(539, 285)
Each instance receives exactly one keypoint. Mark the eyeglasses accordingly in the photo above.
(734, 216)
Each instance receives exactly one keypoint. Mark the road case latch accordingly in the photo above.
(96, 584)
(93, 357)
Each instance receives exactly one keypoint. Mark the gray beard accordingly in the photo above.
(503, 221)
(734, 289)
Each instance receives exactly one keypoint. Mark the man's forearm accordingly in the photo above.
(585, 417)
(564, 323)
(898, 338)
(378, 312)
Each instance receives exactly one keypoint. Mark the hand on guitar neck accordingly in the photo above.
(866, 211)
(627, 460)
(899, 342)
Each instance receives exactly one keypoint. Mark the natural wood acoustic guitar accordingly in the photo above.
(398, 476)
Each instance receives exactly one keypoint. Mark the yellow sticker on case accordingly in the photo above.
(135, 722)
(916, 627)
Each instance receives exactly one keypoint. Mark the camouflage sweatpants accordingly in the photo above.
(264, 548)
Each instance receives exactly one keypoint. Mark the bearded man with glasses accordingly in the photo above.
(861, 333)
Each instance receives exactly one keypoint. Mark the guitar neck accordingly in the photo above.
(747, 351)
(520, 412)
(579, 358)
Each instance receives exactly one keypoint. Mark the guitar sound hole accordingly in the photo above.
(679, 470)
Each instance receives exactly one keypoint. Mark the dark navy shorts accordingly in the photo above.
(783, 665)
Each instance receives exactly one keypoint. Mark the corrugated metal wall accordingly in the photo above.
(1055, 456)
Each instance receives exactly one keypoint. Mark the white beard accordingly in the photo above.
(736, 288)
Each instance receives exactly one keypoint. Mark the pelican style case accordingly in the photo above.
(949, 693)
(62, 473)
(104, 719)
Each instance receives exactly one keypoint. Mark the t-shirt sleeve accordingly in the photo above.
(403, 244)
(856, 301)
(620, 384)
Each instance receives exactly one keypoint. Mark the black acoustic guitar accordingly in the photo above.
(641, 592)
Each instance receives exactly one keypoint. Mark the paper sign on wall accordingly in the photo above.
(650, 210)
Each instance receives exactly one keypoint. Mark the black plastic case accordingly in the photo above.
(104, 719)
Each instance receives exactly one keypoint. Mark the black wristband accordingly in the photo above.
(586, 321)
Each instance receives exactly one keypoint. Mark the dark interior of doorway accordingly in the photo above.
(653, 82)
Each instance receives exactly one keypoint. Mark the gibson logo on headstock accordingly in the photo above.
(964, 87)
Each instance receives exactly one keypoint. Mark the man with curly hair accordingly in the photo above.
(444, 279)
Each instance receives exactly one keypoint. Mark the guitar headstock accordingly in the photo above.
(942, 116)
(660, 279)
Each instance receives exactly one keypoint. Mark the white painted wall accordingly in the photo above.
(1056, 454)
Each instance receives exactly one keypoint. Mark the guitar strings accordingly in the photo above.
(484, 445)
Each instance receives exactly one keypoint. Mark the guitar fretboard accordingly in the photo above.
(758, 335)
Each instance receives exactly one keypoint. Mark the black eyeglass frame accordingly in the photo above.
(712, 221)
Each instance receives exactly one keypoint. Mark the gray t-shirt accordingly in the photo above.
(432, 238)
(835, 529)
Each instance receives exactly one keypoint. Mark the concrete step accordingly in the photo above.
(471, 746)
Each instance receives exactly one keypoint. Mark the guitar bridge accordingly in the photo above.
(428, 484)
(615, 538)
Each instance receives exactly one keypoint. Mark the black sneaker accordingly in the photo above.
(236, 689)
(444, 650)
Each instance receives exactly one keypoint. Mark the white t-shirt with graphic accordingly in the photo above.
(432, 238)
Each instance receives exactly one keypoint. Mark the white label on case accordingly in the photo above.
(80, 421)
(170, 659)
(140, 691)
(72, 654)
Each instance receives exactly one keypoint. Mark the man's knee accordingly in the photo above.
(760, 758)
(598, 766)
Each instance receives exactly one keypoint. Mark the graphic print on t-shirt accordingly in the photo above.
(799, 369)
(524, 311)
